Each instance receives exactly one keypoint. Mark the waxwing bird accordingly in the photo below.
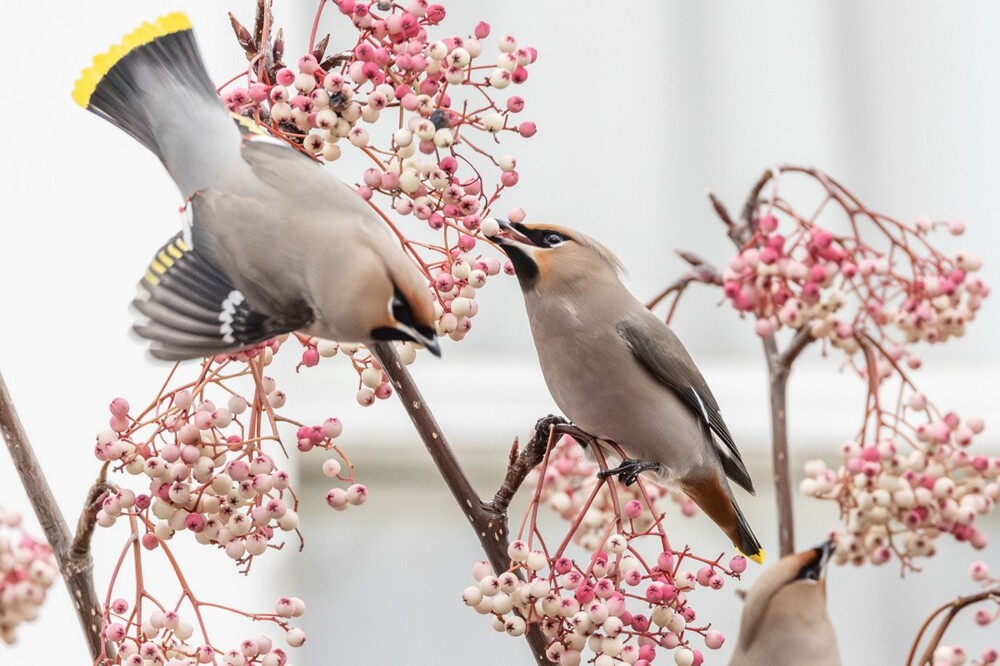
(784, 615)
(272, 243)
(620, 374)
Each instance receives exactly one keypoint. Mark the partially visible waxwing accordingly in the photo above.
(272, 242)
(621, 375)
(784, 615)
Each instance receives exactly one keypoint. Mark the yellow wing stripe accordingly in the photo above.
(181, 245)
(151, 279)
(165, 258)
(175, 251)
(250, 125)
(103, 62)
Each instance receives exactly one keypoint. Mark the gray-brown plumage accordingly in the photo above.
(621, 374)
(785, 622)
(272, 242)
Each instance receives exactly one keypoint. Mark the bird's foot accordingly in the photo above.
(628, 471)
(546, 422)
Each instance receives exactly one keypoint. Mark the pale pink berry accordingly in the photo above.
(337, 499)
(357, 494)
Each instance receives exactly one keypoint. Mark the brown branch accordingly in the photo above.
(85, 525)
(779, 367)
(778, 373)
(701, 271)
(721, 210)
(748, 219)
(799, 342)
(489, 524)
(522, 463)
(76, 567)
(953, 608)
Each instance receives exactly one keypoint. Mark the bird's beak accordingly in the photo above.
(512, 233)
(815, 568)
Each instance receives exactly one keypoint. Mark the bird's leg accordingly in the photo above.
(628, 471)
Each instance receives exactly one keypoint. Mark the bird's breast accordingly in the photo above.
(599, 385)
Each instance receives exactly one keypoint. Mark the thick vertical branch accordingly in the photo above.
(778, 373)
(490, 525)
(75, 564)
(779, 367)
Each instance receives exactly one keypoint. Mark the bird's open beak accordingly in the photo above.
(512, 233)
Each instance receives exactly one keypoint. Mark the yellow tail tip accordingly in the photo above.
(758, 557)
(103, 62)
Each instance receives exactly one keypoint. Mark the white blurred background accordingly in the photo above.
(641, 106)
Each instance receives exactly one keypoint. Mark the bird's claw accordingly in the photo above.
(628, 471)
(546, 422)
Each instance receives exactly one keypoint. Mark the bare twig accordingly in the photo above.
(489, 523)
(953, 608)
(525, 461)
(73, 556)
(701, 271)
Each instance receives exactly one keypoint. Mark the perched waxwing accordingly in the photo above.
(272, 243)
(784, 615)
(620, 374)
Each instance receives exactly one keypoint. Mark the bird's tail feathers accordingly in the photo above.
(748, 545)
(155, 71)
(712, 494)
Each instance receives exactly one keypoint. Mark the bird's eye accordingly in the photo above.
(553, 239)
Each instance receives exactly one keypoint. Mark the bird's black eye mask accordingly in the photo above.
(404, 315)
(544, 238)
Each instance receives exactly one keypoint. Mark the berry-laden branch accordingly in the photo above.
(489, 520)
(935, 653)
(856, 280)
(72, 555)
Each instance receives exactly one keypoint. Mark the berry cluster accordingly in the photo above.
(614, 601)
(206, 464)
(27, 570)
(794, 272)
(901, 491)
(437, 103)
(161, 634)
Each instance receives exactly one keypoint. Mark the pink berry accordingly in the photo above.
(119, 407)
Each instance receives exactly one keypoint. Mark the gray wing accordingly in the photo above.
(660, 351)
(194, 310)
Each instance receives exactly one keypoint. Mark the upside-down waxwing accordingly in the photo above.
(620, 374)
(272, 243)
(784, 615)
